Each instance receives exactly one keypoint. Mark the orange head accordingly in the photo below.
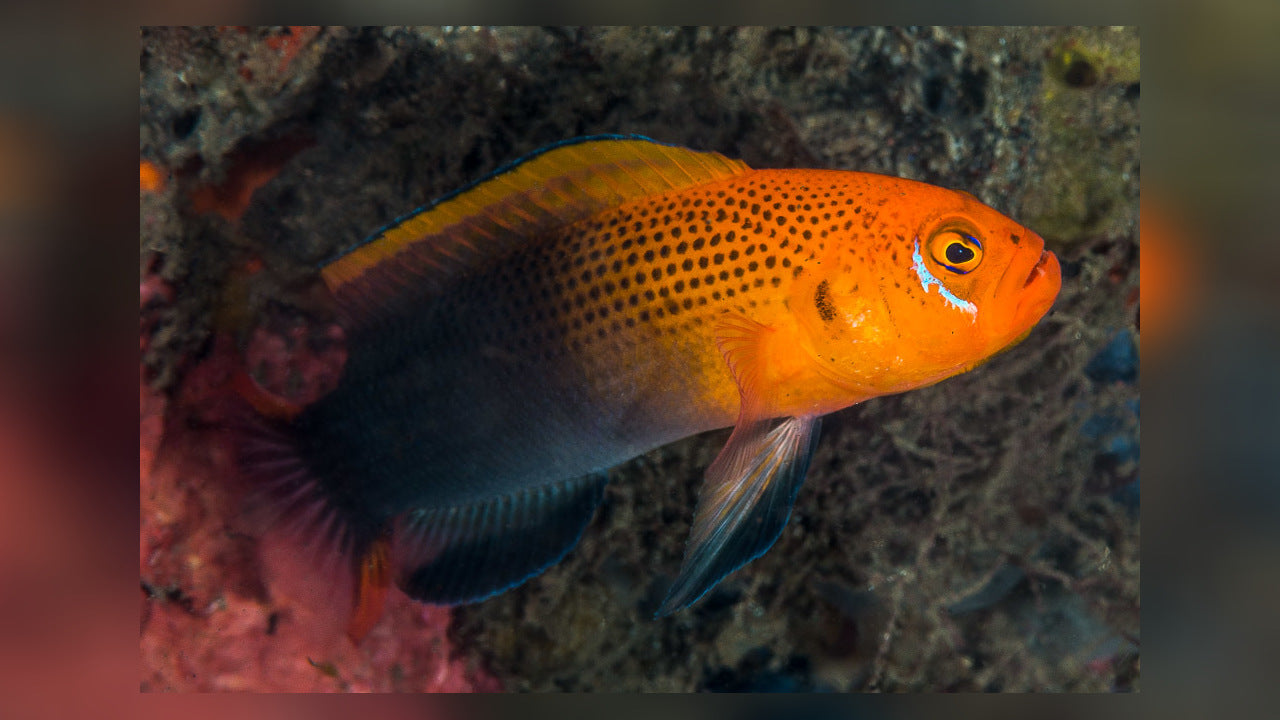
(930, 283)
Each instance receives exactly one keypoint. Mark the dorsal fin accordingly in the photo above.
(551, 188)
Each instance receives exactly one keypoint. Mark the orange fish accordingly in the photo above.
(600, 298)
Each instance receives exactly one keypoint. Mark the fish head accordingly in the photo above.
(937, 287)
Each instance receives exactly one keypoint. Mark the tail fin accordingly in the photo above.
(315, 556)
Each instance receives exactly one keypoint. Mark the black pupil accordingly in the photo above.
(958, 253)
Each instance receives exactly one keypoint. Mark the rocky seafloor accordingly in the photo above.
(981, 534)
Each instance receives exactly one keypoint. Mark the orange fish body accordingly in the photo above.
(610, 295)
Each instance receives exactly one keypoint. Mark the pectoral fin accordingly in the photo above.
(745, 502)
(747, 496)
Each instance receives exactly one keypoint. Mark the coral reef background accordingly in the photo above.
(982, 534)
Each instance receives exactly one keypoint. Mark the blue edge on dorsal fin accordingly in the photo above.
(508, 167)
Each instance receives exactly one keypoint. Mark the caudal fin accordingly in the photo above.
(315, 555)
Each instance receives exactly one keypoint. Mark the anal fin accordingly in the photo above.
(467, 553)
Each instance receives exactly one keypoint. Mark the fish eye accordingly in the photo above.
(956, 251)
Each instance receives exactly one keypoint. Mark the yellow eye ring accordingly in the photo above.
(956, 251)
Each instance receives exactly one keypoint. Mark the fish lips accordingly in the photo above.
(1036, 286)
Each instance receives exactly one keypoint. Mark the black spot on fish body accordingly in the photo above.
(822, 301)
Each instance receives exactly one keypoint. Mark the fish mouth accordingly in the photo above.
(1039, 289)
(1038, 271)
